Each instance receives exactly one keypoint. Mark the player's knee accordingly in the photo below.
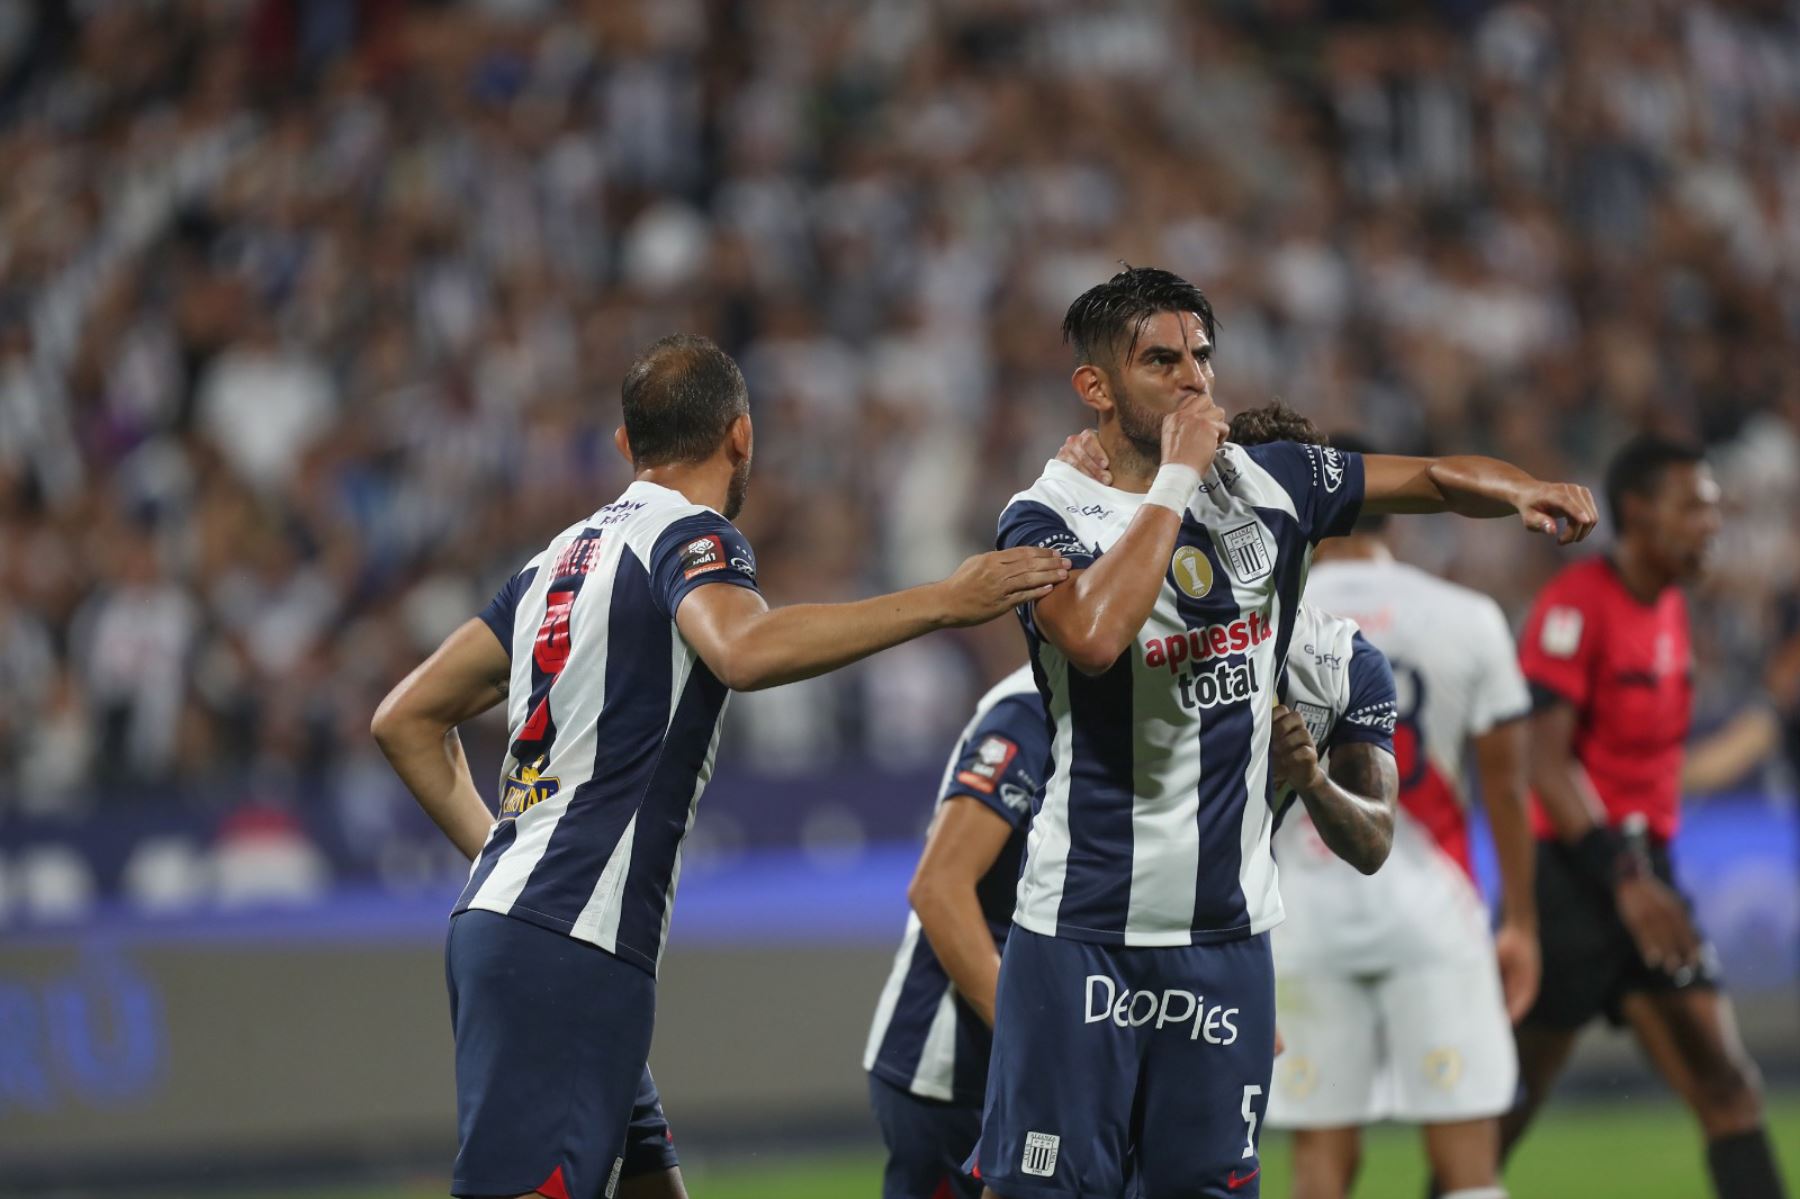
(1728, 1095)
(1325, 1167)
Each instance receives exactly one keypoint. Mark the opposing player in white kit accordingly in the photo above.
(1389, 992)
(1134, 1020)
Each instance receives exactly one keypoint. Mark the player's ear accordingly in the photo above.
(1091, 385)
(740, 439)
(623, 444)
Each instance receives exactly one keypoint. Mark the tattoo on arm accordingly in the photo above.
(1354, 812)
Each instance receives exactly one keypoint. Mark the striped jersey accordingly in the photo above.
(614, 722)
(1339, 684)
(926, 1039)
(1154, 824)
(1456, 677)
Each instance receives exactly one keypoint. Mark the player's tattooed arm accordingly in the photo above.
(1352, 808)
(1470, 485)
(415, 726)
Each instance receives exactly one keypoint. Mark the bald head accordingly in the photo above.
(680, 398)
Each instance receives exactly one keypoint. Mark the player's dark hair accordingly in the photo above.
(1356, 443)
(680, 398)
(1108, 317)
(1274, 421)
(1637, 469)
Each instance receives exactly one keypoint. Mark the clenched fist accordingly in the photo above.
(1193, 433)
(1292, 755)
(988, 584)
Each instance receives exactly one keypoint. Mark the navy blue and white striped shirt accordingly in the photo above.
(926, 1039)
(614, 722)
(1154, 825)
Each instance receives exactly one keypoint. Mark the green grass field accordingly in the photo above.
(1614, 1152)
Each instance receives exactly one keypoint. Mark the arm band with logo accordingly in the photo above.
(1173, 487)
(1605, 859)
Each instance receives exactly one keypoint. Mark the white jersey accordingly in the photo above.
(1456, 677)
(1154, 824)
(614, 722)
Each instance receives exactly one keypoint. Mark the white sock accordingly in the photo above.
(1476, 1193)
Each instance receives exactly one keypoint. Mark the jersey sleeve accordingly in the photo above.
(1370, 714)
(1325, 484)
(500, 611)
(1001, 763)
(695, 551)
(1033, 523)
(1559, 645)
(1500, 693)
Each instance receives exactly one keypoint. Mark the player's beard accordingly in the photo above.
(1140, 424)
(737, 489)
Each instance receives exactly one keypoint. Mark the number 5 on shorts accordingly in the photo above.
(1250, 1092)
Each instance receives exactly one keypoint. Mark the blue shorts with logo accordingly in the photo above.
(552, 1035)
(1128, 1072)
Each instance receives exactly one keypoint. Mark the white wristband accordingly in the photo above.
(1174, 487)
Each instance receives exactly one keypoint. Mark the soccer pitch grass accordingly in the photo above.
(1595, 1152)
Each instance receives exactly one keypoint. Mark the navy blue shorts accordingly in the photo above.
(1128, 1072)
(927, 1142)
(552, 1035)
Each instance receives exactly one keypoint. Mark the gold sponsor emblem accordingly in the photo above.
(1193, 573)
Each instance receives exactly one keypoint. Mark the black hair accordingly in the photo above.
(680, 398)
(1637, 469)
(1110, 315)
(1274, 421)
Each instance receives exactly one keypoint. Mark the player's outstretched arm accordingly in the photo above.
(1099, 614)
(1352, 807)
(1500, 764)
(1469, 485)
(749, 645)
(415, 726)
(965, 841)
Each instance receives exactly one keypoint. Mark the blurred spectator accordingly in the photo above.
(312, 315)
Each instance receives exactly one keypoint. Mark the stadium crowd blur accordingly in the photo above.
(312, 314)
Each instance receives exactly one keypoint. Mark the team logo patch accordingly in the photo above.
(527, 787)
(701, 555)
(992, 757)
(1298, 1074)
(1247, 553)
(1193, 572)
(1041, 1149)
(1443, 1068)
(1561, 635)
(1317, 719)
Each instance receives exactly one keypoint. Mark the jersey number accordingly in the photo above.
(1250, 1094)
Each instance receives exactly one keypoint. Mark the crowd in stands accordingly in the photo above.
(313, 313)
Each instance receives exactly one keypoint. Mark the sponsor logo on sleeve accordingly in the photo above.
(1561, 635)
(992, 757)
(701, 555)
(1333, 462)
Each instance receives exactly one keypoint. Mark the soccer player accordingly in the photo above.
(1606, 654)
(928, 1047)
(1134, 1019)
(1395, 1001)
(614, 650)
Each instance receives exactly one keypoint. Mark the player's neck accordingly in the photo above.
(705, 483)
(1638, 571)
(1132, 469)
(1358, 547)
